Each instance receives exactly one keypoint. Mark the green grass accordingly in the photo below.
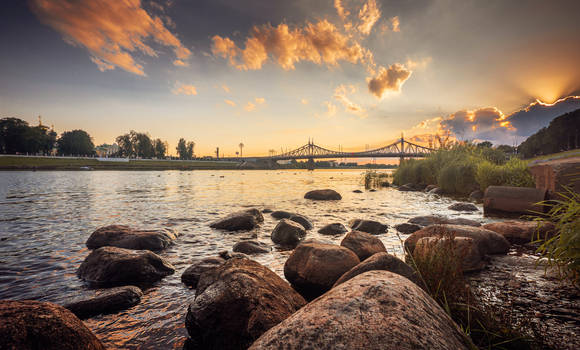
(553, 156)
(372, 179)
(41, 163)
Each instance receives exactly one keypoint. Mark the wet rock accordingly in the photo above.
(313, 268)
(357, 191)
(302, 220)
(125, 237)
(385, 184)
(488, 242)
(476, 196)
(190, 276)
(240, 220)
(226, 255)
(427, 220)
(236, 303)
(105, 301)
(464, 247)
(251, 247)
(333, 229)
(521, 232)
(288, 233)
(429, 188)
(374, 310)
(281, 214)
(369, 226)
(406, 188)
(437, 190)
(35, 325)
(118, 266)
(323, 195)
(363, 244)
(372, 190)
(407, 228)
(463, 207)
(266, 210)
(380, 261)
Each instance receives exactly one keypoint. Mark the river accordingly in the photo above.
(46, 217)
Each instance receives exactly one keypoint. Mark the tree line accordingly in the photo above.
(563, 134)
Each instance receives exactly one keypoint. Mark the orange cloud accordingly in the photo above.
(230, 102)
(342, 13)
(340, 94)
(390, 79)
(250, 107)
(395, 23)
(111, 30)
(226, 88)
(184, 89)
(304, 101)
(368, 15)
(260, 100)
(180, 63)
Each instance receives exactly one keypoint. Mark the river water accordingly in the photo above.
(46, 217)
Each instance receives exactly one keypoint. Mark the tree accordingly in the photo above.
(135, 144)
(16, 136)
(76, 142)
(190, 146)
(562, 134)
(125, 145)
(485, 144)
(181, 149)
(160, 148)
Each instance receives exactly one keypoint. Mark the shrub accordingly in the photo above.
(458, 177)
(514, 173)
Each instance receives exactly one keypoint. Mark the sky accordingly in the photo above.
(273, 74)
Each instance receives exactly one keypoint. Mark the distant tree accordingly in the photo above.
(486, 144)
(160, 148)
(506, 149)
(562, 134)
(125, 145)
(76, 142)
(16, 136)
(190, 146)
(142, 145)
(181, 148)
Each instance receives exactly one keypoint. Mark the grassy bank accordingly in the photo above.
(465, 168)
(57, 163)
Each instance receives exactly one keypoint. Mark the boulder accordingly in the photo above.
(476, 196)
(369, 226)
(464, 247)
(288, 233)
(385, 184)
(119, 266)
(190, 276)
(363, 244)
(240, 220)
(236, 303)
(302, 220)
(323, 195)
(407, 228)
(429, 188)
(488, 242)
(30, 325)
(406, 188)
(522, 232)
(463, 207)
(380, 261)
(266, 210)
(333, 229)
(357, 191)
(251, 247)
(125, 237)
(313, 267)
(105, 301)
(427, 220)
(281, 214)
(437, 190)
(374, 310)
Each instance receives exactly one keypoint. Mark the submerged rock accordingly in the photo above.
(363, 244)
(375, 310)
(125, 237)
(236, 303)
(313, 267)
(29, 325)
(302, 220)
(407, 228)
(281, 214)
(522, 232)
(463, 207)
(115, 266)
(380, 261)
(288, 233)
(333, 229)
(240, 220)
(323, 195)
(105, 301)
(251, 247)
(190, 276)
(369, 226)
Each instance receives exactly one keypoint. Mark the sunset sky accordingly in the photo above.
(273, 74)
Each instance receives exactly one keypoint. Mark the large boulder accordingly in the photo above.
(314, 267)
(31, 325)
(375, 310)
(476, 196)
(426, 220)
(437, 190)
(281, 214)
(463, 206)
(119, 266)
(190, 277)
(302, 220)
(288, 233)
(333, 229)
(105, 301)
(464, 248)
(407, 228)
(380, 261)
(240, 220)
(251, 247)
(369, 226)
(488, 242)
(323, 195)
(236, 303)
(363, 244)
(521, 232)
(125, 237)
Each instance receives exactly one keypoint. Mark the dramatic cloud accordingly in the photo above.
(230, 102)
(538, 114)
(390, 79)
(111, 30)
(368, 15)
(342, 13)
(340, 94)
(395, 23)
(472, 124)
(319, 42)
(184, 89)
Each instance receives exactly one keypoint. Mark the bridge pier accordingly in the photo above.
(310, 164)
